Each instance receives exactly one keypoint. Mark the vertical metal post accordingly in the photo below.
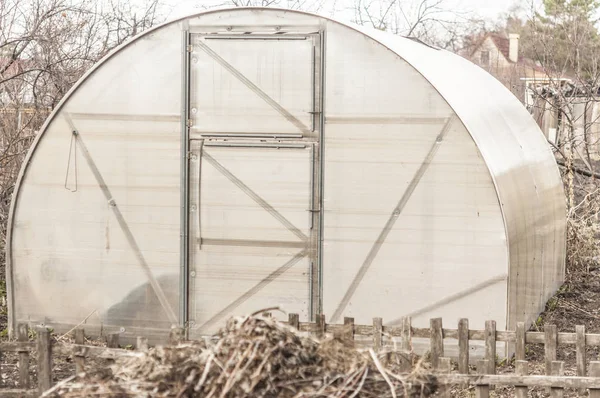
(184, 188)
(320, 204)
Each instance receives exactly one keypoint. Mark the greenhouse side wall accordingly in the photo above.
(98, 212)
(384, 124)
(522, 166)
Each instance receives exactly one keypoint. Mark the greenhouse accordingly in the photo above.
(244, 159)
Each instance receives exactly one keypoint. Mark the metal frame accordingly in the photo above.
(185, 142)
(310, 245)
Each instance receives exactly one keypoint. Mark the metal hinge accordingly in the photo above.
(190, 48)
(189, 123)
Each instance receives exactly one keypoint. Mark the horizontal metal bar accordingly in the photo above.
(392, 119)
(253, 145)
(252, 135)
(122, 117)
(253, 36)
(251, 243)
(262, 29)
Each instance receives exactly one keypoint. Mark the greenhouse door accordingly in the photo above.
(254, 175)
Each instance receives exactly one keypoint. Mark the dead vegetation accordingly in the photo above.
(258, 357)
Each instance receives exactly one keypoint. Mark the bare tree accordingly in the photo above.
(431, 21)
(564, 41)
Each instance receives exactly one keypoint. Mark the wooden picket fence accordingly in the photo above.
(482, 378)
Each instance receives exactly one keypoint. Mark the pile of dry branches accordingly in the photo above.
(252, 356)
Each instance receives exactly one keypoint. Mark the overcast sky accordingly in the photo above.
(489, 9)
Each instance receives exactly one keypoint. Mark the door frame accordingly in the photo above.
(317, 34)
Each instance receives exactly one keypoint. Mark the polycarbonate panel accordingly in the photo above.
(250, 238)
(446, 238)
(236, 79)
(522, 166)
(92, 250)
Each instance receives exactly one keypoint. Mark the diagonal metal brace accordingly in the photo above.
(264, 96)
(452, 298)
(160, 294)
(254, 196)
(391, 221)
(255, 289)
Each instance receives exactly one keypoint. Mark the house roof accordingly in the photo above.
(502, 43)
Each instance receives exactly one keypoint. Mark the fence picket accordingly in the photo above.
(348, 330)
(520, 341)
(436, 342)
(79, 359)
(521, 369)
(463, 346)
(141, 343)
(550, 342)
(294, 321)
(490, 346)
(445, 366)
(558, 369)
(23, 336)
(177, 334)
(377, 328)
(580, 353)
(321, 325)
(406, 334)
(482, 391)
(44, 365)
(594, 372)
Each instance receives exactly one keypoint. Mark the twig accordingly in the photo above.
(382, 371)
(76, 326)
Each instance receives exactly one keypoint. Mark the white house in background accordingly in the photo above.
(499, 54)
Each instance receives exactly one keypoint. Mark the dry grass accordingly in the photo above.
(258, 357)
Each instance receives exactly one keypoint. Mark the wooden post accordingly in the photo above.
(445, 366)
(377, 334)
(23, 336)
(521, 368)
(580, 353)
(520, 343)
(558, 369)
(482, 391)
(141, 344)
(550, 342)
(321, 325)
(44, 365)
(112, 340)
(490, 346)
(348, 334)
(406, 337)
(463, 346)
(436, 341)
(294, 321)
(594, 372)
(79, 359)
